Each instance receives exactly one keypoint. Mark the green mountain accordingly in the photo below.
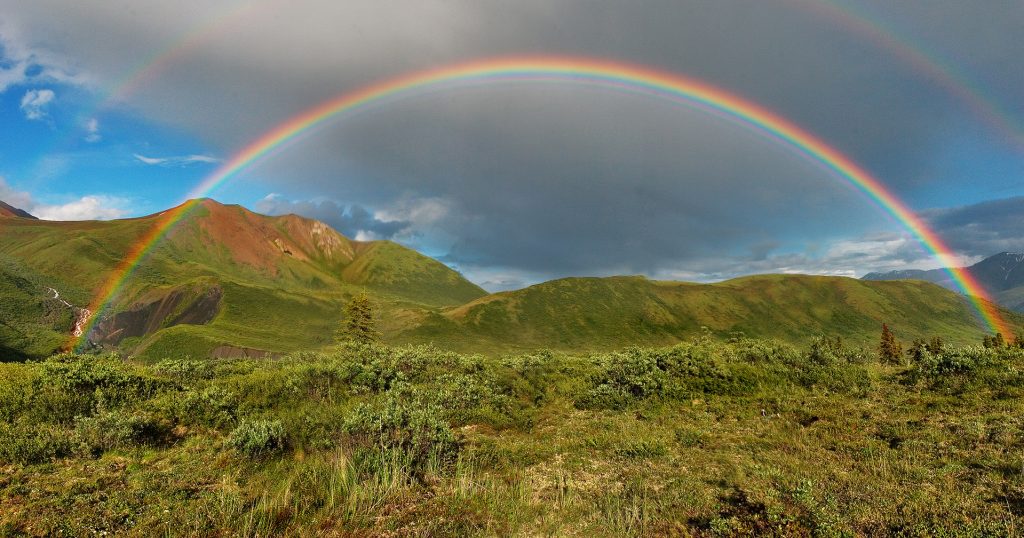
(599, 313)
(225, 281)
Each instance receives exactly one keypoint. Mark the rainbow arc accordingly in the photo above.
(573, 70)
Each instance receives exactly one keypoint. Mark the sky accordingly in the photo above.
(120, 108)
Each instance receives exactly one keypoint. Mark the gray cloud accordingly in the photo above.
(548, 180)
(982, 229)
(354, 221)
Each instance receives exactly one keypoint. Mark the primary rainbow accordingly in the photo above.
(630, 78)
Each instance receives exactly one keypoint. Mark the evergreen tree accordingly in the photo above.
(998, 342)
(935, 346)
(917, 349)
(358, 324)
(888, 348)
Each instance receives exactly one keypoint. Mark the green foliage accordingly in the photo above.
(26, 444)
(358, 323)
(112, 429)
(889, 349)
(420, 433)
(258, 437)
(623, 378)
(747, 436)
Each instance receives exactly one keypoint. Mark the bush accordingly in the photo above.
(69, 385)
(258, 437)
(624, 377)
(24, 444)
(418, 431)
(185, 369)
(110, 429)
(377, 368)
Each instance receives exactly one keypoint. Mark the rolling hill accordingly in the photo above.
(229, 282)
(601, 313)
(1001, 274)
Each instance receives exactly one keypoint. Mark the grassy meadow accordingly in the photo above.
(704, 438)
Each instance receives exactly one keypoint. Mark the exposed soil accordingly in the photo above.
(146, 318)
(261, 241)
(232, 352)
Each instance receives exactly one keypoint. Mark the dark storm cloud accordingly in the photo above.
(353, 221)
(556, 180)
(982, 229)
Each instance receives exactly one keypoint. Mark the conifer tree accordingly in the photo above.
(888, 348)
(917, 349)
(358, 323)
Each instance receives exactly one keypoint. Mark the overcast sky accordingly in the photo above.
(119, 108)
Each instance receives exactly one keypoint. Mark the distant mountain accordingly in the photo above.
(7, 210)
(1002, 275)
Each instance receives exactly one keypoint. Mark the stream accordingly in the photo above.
(81, 314)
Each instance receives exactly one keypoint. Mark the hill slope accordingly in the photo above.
(1001, 274)
(595, 313)
(7, 210)
(228, 282)
(224, 277)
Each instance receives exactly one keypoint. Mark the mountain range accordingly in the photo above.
(1002, 275)
(225, 281)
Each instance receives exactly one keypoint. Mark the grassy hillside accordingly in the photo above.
(33, 323)
(284, 279)
(229, 282)
(602, 313)
(748, 438)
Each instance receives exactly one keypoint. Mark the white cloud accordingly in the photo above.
(88, 207)
(367, 235)
(92, 131)
(91, 207)
(180, 160)
(35, 102)
(21, 64)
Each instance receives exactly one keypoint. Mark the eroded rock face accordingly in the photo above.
(146, 318)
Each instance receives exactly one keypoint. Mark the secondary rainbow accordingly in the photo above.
(627, 77)
(947, 75)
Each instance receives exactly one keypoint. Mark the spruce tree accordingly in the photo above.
(358, 324)
(888, 348)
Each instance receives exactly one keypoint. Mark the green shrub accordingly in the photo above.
(416, 430)
(258, 437)
(69, 385)
(118, 428)
(624, 377)
(185, 369)
(27, 444)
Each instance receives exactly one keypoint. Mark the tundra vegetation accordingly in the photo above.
(706, 438)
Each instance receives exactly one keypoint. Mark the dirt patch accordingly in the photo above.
(232, 352)
(142, 319)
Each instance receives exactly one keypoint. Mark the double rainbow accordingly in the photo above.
(630, 78)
